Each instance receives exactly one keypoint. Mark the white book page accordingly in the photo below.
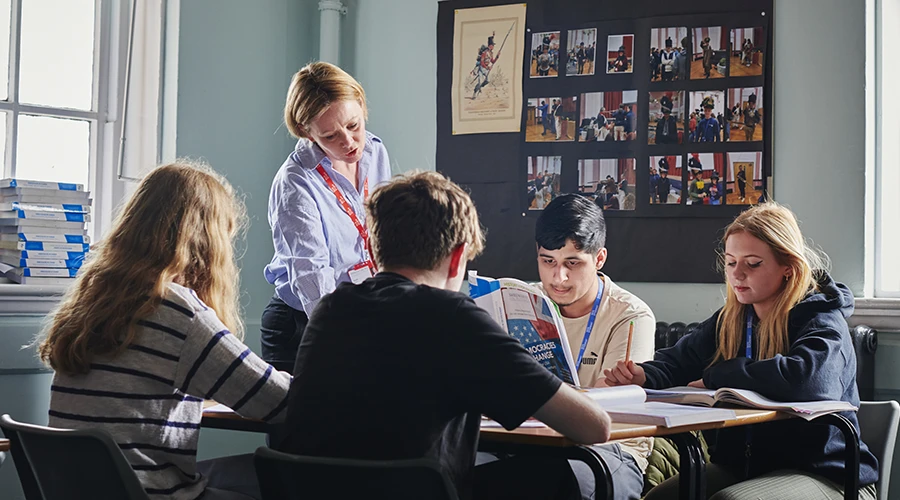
(608, 397)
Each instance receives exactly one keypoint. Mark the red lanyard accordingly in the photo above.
(342, 201)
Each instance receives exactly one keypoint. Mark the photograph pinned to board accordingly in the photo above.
(540, 124)
(666, 122)
(707, 118)
(746, 112)
(620, 54)
(744, 178)
(665, 180)
(709, 53)
(608, 181)
(486, 92)
(544, 55)
(542, 180)
(705, 186)
(608, 116)
(581, 51)
(669, 61)
(747, 51)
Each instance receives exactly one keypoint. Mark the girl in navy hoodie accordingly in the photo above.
(782, 333)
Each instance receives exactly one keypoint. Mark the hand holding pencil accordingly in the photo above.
(626, 372)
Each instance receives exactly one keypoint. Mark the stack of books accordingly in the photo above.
(43, 238)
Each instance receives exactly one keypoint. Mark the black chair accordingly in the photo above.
(676, 331)
(662, 329)
(283, 476)
(63, 464)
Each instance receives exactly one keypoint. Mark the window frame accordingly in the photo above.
(886, 178)
(99, 95)
(110, 180)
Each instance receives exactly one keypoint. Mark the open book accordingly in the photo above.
(530, 317)
(628, 404)
(707, 397)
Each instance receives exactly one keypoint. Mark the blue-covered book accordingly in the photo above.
(24, 183)
(530, 317)
(42, 263)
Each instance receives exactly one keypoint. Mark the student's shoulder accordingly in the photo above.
(625, 302)
(182, 308)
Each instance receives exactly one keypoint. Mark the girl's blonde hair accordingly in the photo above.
(179, 226)
(777, 227)
(313, 89)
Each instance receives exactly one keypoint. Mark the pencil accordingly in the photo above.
(630, 336)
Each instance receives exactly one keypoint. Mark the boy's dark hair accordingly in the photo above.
(571, 217)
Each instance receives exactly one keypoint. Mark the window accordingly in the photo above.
(62, 97)
(62, 102)
(887, 151)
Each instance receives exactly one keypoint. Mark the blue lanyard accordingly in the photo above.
(748, 436)
(749, 351)
(590, 323)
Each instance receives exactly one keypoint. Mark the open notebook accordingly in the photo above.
(628, 404)
(707, 397)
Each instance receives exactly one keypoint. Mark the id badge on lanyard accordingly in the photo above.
(365, 269)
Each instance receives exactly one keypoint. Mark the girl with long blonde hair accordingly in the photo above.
(782, 333)
(152, 327)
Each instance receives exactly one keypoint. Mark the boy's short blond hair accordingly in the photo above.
(417, 219)
(313, 89)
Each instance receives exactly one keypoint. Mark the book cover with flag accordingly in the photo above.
(530, 317)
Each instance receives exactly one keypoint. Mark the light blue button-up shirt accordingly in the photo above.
(316, 243)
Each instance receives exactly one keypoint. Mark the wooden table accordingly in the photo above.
(4, 445)
(545, 442)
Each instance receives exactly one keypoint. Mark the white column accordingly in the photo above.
(330, 30)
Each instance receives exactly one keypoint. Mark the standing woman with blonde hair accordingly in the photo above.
(316, 203)
(152, 327)
(782, 333)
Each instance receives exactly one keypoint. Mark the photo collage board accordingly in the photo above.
(605, 115)
(650, 117)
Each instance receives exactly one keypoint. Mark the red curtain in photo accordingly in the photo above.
(723, 39)
(611, 101)
(719, 163)
(758, 37)
(628, 42)
(626, 170)
(673, 170)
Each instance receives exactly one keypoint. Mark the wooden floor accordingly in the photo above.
(697, 71)
(735, 197)
(587, 70)
(738, 134)
(738, 69)
(610, 63)
(533, 133)
(534, 72)
(651, 131)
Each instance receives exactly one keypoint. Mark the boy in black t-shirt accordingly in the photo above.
(403, 366)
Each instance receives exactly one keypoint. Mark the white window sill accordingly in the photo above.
(881, 314)
(16, 299)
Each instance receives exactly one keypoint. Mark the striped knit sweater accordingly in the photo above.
(150, 397)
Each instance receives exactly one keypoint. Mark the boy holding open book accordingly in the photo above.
(599, 317)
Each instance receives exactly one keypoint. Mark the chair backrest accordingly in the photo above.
(57, 464)
(283, 476)
(878, 429)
